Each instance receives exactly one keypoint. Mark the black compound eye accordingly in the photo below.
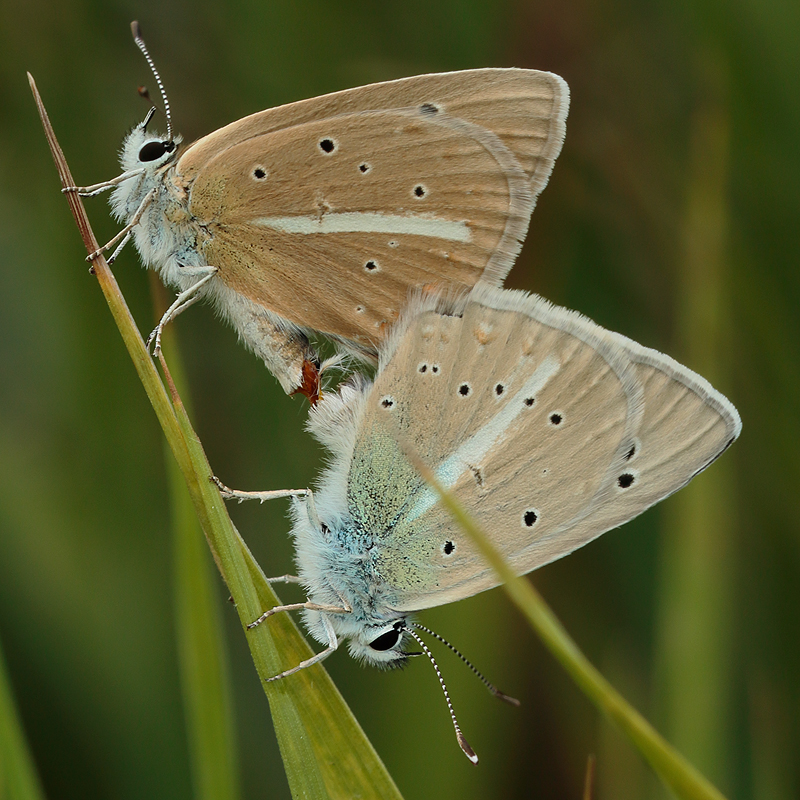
(154, 150)
(386, 641)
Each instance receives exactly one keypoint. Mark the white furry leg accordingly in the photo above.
(188, 297)
(98, 188)
(297, 607)
(333, 643)
(303, 664)
(126, 232)
(276, 494)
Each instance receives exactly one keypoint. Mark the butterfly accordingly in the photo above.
(548, 429)
(320, 215)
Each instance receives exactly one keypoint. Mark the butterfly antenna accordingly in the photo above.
(490, 686)
(462, 742)
(137, 37)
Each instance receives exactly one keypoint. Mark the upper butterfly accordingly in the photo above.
(320, 215)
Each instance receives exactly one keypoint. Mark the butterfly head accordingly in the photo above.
(333, 562)
(147, 150)
(143, 150)
(380, 645)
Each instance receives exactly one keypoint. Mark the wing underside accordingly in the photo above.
(549, 429)
(328, 211)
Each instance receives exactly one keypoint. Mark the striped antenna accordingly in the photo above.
(490, 686)
(137, 37)
(462, 742)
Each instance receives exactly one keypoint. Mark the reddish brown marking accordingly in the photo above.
(309, 385)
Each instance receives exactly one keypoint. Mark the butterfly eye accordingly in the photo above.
(154, 150)
(386, 641)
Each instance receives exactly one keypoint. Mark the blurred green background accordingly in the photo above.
(672, 216)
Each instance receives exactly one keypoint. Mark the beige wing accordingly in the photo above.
(527, 110)
(577, 490)
(686, 426)
(327, 211)
(526, 412)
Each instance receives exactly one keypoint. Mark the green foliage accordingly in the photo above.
(674, 608)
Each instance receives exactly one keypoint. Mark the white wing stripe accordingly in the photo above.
(358, 222)
(474, 450)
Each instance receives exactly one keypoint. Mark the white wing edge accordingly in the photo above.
(648, 356)
(555, 137)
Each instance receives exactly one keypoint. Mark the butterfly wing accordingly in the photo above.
(527, 110)
(504, 401)
(328, 210)
(541, 479)
(686, 426)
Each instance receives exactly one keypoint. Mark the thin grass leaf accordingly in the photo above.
(673, 769)
(205, 678)
(697, 602)
(324, 750)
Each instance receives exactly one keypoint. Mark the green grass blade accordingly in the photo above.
(325, 752)
(205, 679)
(18, 777)
(673, 769)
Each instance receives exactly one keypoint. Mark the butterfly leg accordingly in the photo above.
(303, 664)
(188, 297)
(285, 579)
(99, 188)
(343, 609)
(333, 643)
(126, 233)
(276, 494)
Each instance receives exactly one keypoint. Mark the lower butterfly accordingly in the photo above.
(549, 430)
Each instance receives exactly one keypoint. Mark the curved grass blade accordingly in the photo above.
(324, 750)
(671, 767)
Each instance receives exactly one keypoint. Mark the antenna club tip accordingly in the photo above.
(136, 30)
(512, 701)
(464, 745)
